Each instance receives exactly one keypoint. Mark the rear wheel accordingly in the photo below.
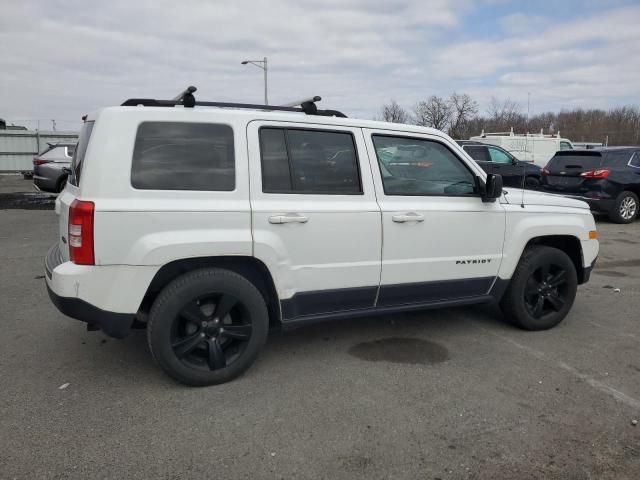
(542, 289)
(532, 182)
(625, 208)
(207, 327)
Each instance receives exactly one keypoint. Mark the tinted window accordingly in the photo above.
(498, 156)
(276, 176)
(477, 153)
(565, 146)
(308, 161)
(635, 160)
(574, 162)
(412, 166)
(78, 155)
(183, 156)
(618, 159)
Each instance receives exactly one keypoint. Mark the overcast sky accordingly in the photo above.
(61, 59)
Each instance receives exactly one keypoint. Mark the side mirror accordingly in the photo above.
(492, 188)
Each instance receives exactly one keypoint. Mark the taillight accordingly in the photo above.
(39, 161)
(81, 232)
(544, 172)
(597, 174)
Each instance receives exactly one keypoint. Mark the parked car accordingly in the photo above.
(608, 179)
(497, 160)
(51, 166)
(209, 225)
(537, 148)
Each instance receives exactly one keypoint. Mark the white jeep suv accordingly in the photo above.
(208, 225)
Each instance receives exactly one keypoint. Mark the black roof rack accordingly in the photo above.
(188, 100)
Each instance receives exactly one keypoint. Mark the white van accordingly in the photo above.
(531, 147)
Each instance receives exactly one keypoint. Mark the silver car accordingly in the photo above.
(51, 167)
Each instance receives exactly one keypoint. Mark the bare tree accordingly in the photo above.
(394, 113)
(463, 108)
(505, 115)
(436, 112)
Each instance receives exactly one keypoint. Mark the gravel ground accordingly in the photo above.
(454, 393)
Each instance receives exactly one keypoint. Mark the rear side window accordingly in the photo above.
(565, 146)
(78, 155)
(183, 156)
(479, 154)
(618, 159)
(309, 161)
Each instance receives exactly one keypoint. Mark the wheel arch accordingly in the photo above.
(249, 267)
(568, 244)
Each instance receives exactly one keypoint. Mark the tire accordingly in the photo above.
(531, 182)
(207, 327)
(542, 289)
(625, 208)
(61, 184)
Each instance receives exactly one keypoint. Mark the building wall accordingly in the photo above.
(18, 147)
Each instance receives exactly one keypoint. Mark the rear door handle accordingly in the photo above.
(408, 217)
(288, 218)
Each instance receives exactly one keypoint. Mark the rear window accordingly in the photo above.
(78, 154)
(572, 160)
(183, 156)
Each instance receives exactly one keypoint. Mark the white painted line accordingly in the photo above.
(597, 384)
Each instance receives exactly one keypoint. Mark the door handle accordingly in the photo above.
(288, 218)
(408, 217)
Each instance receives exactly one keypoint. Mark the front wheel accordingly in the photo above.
(542, 289)
(207, 327)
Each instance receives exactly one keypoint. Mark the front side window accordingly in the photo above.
(498, 156)
(308, 161)
(183, 156)
(411, 166)
(566, 146)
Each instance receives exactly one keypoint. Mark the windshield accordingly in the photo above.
(78, 154)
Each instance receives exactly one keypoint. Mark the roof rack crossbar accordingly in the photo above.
(187, 99)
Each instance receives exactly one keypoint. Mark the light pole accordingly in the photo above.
(263, 65)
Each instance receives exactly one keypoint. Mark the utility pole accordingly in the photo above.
(53, 124)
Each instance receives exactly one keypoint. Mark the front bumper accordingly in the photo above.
(105, 297)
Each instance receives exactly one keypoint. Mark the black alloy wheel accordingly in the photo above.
(546, 290)
(211, 332)
(207, 326)
(541, 290)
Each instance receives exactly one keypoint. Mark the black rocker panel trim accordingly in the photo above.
(330, 302)
(424, 292)
(325, 301)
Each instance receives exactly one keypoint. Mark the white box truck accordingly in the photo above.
(530, 147)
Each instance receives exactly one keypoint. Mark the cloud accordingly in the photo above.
(65, 58)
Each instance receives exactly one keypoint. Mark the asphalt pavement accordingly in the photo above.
(454, 393)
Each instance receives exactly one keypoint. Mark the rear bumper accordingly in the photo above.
(115, 325)
(106, 297)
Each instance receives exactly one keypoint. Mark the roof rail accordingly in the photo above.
(188, 100)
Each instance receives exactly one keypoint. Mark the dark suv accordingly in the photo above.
(494, 159)
(608, 179)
